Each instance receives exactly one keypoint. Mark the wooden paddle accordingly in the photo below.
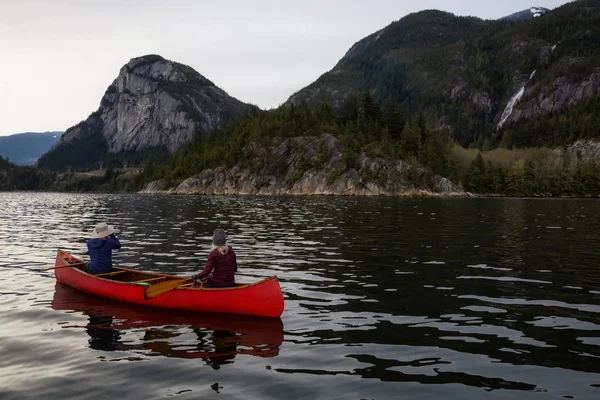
(64, 266)
(161, 288)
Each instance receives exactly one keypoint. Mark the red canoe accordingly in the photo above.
(263, 298)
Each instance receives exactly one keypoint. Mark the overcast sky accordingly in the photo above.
(59, 56)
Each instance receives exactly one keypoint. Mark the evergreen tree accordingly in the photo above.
(438, 152)
(350, 109)
(411, 139)
(393, 117)
(515, 181)
(476, 178)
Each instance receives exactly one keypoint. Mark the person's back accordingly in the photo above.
(221, 264)
(224, 267)
(100, 246)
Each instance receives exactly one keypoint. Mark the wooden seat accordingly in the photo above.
(150, 280)
(110, 273)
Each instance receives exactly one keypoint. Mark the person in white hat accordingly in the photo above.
(100, 246)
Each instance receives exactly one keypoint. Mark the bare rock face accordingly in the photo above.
(315, 166)
(458, 88)
(585, 148)
(159, 186)
(156, 103)
(551, 99)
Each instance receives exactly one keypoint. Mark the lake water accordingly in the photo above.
(385, 298)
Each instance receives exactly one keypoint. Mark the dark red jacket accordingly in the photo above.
(222, 267)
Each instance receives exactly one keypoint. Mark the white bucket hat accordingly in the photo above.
(102, 230)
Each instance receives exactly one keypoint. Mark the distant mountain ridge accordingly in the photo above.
(154, 103)
(475, 77)
(26, 148)
(524, 15)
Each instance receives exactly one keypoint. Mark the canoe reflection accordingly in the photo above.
(216, 338)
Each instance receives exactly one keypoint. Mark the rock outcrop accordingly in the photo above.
(585, 148)
(314, 166)
(153, 103)
(563, 93)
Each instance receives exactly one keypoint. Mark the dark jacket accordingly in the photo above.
(222, 267)
(101, 253)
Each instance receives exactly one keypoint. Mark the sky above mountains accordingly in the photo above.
(60, 56)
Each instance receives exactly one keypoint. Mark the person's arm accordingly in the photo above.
(234, 261)
(113, 242)
(210, 265)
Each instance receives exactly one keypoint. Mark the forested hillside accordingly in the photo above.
(463, 72)
(366, 128)
(14, 177)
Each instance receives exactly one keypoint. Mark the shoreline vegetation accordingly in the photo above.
(127, 181)
(364, 149)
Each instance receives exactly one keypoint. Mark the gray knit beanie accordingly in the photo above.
(219, 237)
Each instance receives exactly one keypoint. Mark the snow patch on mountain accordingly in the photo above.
(536, 11)
(530, 13)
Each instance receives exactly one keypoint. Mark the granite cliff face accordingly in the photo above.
(313, 166)
(153, 103)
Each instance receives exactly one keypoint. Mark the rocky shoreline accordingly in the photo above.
(409, 193)
(312, 166)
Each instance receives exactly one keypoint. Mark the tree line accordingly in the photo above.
(386, 130)
(361, 124)
(383, 130)
(14, 177)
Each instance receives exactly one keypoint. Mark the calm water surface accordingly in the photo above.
(385, 298)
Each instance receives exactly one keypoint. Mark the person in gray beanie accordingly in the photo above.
(221, 264)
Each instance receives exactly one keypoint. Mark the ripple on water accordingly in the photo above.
(381, 299)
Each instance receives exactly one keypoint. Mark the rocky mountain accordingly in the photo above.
(472, 76)
(26, 148)
(528, 14)
(153, 104)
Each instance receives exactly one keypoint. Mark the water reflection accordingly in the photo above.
(390, 370)
(102, 335)
(384, 297)
(215, 338)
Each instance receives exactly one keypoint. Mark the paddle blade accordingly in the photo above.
(158, 289)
